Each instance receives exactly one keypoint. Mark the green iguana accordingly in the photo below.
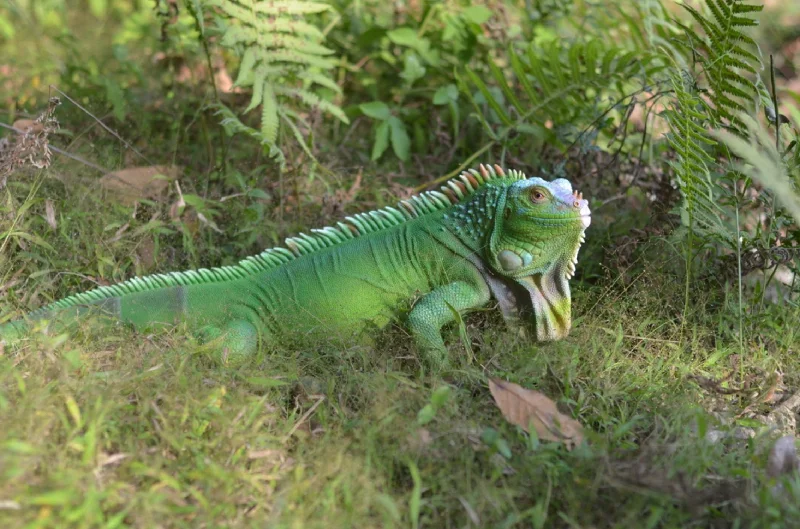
(486, 233)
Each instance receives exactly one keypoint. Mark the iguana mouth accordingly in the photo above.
(559, 220)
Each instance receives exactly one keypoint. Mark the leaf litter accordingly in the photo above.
(528, 409)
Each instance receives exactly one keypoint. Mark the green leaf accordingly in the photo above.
(19, 447)
(502, 447)
(266, 382)
(445, 94)
(195, 8)
(381, 140)
(404, 37)
(426, 414)
(6, 28)
(98, 7)
(52, 498)
(415, 502)
(477, 14)
(376, 110)
(413, 68)
(440, 396)
(290, 7)
(749, 423)
(258, 193)
(269, 114)
(258, 89)
(400, 140)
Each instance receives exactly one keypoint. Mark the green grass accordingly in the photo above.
(109, 429)
(127, 430)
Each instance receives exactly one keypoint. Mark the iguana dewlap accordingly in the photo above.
(485, 234)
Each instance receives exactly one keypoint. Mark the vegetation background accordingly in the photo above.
(156, 135)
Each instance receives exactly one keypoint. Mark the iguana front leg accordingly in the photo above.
(432, 312)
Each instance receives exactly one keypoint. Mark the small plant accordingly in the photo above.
(556, 89)
(389, 129)
(283, 59)
(438, 400)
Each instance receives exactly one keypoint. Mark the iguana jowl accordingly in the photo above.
(487, 233)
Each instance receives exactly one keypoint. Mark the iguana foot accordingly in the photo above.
(232, 344)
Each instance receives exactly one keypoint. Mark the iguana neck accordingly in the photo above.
(472, 221)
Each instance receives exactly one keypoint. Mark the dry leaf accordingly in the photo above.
(28, 126)
(50, 213)
(473, 515)
(134, 183)
(210, 223)
(267, 453)
(118, 235)
(112, 459)
(526, 407)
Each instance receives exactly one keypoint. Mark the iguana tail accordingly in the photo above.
(145, 308)
(11, 332)
(144, 303)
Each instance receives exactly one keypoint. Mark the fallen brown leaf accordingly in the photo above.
(112, 459)
(50, 213)
(526, 408)
(134, 183)
(28, 126)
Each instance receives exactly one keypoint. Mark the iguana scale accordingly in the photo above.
(487, 233)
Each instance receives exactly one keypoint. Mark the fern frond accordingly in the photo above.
(293, 57)
(249, 36)
(244, 77)
(283, 57)
(311, 99)
(692, 144)
(290, 7)
(727, 57)
(551, 82)
(258, 89)
(317, 78)
(762, 162)
(658, 24)
(269, 113)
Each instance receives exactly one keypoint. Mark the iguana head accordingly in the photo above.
(538, 230)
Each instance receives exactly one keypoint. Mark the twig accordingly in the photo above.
(303, 419)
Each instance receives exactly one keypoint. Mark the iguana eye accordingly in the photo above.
(538, 196)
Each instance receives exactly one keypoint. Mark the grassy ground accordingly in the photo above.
(145, 431)
(113, 429)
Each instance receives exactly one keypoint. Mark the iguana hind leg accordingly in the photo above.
(432, 312)
(231, 344)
